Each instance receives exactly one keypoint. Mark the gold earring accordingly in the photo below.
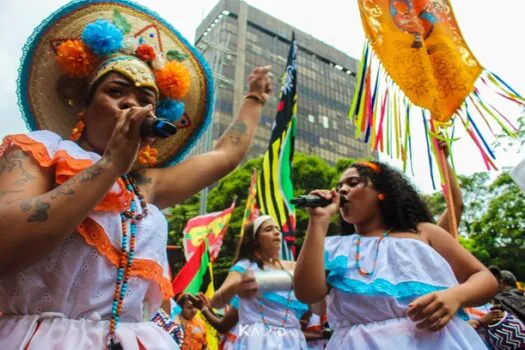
(78, 129)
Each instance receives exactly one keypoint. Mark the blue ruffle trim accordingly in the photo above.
(298, 307)
(238, 268)
(404, 290)
(235, 302)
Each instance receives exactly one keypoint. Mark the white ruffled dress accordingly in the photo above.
(369, 312)
(274, 328)
(64, 301)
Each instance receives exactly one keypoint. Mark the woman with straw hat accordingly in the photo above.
(83, 258)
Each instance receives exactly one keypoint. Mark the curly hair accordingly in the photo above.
(402, 208)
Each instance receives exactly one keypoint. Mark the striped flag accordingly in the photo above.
(251, 211)
(274, 186)
(197, 276)
(212, 227)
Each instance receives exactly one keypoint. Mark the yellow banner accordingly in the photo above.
(421, 47)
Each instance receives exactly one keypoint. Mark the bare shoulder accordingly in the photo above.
(434, 234)
(21, 177)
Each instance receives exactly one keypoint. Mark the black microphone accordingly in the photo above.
(157, 127)
(310, 201)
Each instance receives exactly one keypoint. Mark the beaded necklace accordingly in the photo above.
(126, 258)
(287, 310)
(358, 257)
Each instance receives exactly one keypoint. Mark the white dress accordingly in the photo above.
(64, 301)
(277, 326)
(369, 312)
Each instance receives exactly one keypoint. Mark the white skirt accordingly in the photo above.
(401, 333)
(256, 336)
(52, 331)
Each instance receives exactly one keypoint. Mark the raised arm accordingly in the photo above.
(457, 198)
(309, 278)
(35, 217)
(173, 185)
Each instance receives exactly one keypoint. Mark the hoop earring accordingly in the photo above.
(78, 129)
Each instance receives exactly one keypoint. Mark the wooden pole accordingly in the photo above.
(447, 193)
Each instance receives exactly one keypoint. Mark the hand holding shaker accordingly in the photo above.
(273, 280)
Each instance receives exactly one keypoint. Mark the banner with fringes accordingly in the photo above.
(415, 55)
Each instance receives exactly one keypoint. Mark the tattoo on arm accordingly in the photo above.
(4, 193)
(39, 210)
(14, 160)
(141, 178)
(64, 189)
(236, 132)
(90, 174)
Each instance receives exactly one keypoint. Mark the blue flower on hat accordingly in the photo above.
(170, 109)
(102, 37)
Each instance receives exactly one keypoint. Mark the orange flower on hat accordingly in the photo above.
(75, 58)
(173, 80)
(146, 52)
(148, 155)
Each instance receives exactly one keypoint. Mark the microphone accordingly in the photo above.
(157, 127)
(310, 201)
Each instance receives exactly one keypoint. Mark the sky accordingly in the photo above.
(493, 30)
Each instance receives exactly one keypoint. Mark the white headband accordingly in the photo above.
(258, 222)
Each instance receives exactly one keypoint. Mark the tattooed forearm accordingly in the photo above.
(4, 193)
(236, 132)
(63, 190)
(91, 174)
(38, 210)
(12, 161)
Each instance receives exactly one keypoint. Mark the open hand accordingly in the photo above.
(491, 317)
(435, 310)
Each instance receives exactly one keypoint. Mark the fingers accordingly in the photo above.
(430, 309)
(136, 116)
(419, 304)
(432, 320)
(326, 194)
(440, 324)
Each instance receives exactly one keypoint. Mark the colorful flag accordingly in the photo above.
(274, 186)
(212, 227)
(195, 276)
(251, 211)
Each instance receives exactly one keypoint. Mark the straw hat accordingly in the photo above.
(83, 40)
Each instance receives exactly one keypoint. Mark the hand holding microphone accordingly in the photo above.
(320, 203)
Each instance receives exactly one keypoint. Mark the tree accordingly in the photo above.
(493, 226)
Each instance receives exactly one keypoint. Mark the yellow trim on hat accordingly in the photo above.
(132, 68)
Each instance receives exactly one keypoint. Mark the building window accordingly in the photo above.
(326, 123)
(311, 118)
(334, 124)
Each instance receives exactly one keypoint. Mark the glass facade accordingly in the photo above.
(325, 89)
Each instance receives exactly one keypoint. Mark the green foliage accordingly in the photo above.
(493, 224)
(308, 173)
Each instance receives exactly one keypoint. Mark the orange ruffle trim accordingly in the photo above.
(94, 235)
(67, 167)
